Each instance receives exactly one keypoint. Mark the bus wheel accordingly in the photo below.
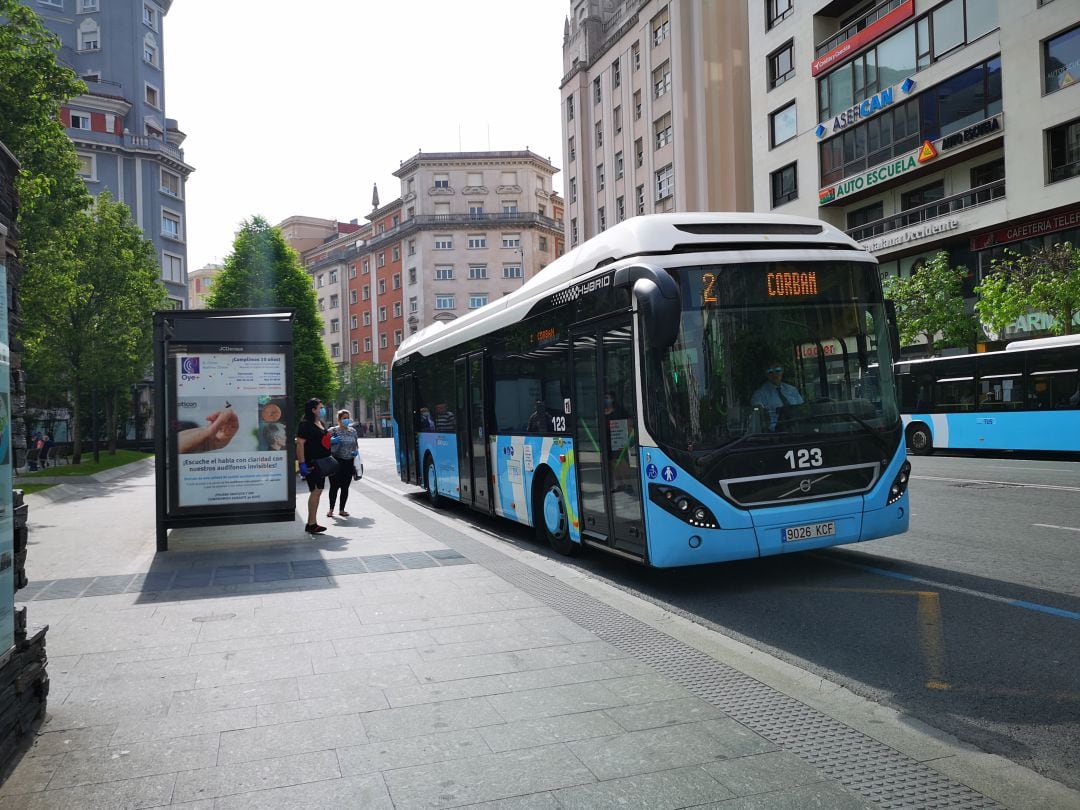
(919, 440)
(552, 521)
(432, 480)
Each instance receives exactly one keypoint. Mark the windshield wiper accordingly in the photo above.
(712, 455)
(866, 426)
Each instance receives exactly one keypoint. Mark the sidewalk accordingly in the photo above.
(406, 660)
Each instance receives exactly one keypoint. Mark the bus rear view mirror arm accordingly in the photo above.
(658, 302)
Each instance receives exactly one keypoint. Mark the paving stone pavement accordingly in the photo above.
(405, 660)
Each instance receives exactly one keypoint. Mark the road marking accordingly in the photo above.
(1052, 526)
(1000, 483)
(931, 638)
(1053, 611)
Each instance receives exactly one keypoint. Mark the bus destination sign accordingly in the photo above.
(776, 285)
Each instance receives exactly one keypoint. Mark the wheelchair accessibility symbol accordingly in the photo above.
(651, 471)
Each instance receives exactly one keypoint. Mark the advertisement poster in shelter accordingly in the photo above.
(230, 434)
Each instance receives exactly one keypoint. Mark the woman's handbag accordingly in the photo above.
(326, 466)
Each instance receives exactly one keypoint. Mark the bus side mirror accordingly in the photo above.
(657, 296)
(894, 330)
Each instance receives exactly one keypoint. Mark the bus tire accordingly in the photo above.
(919, 439)
(431, 484)
(551, 516)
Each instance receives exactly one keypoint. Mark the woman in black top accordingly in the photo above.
(313, 442)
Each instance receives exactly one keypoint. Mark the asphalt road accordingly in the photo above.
(969, 622)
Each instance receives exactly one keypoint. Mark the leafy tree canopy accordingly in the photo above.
(1047, 281)
(930, 303)
(263, 272)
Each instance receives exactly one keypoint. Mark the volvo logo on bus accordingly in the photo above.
(805, 485)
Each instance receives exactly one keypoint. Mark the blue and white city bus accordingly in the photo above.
(1026, 397)
(617, 399)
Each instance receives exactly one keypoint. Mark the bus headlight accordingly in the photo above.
(900, 483)
(683, 505)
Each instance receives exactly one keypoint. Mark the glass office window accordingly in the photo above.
(1061, 60)
(948, 21)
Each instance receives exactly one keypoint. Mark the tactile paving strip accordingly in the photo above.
(865, 766)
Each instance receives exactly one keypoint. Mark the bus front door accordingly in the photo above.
(606, 442)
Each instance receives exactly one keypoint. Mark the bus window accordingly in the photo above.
(1001, 382)
(954, 385)
(1054, 378)
(530, 389)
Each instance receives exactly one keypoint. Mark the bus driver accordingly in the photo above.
(775, 394)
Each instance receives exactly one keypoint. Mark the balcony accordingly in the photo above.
(863, 22)
(464, 220)
(939, 208)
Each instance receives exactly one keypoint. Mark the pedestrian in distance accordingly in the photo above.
(344, 447)
(313, 445)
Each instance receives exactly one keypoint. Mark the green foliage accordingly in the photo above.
(32, 88)
(930, 303)
(263, 272)
(367, 382)
(88, 321)
(1046, 281)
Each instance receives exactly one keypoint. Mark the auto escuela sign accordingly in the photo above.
(911, 161)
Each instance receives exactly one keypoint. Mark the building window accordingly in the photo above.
(596, 91)
(322, 308)
(948, 27)
(616, 74)
(89, 36)
(412, 247)
(353, 296)
(88, 167)
(601, 218)
(782, 64)
(149, 16)
(619, 170)
(88, 5)
(413, 305)
(599, 134)
(355, 347)
(382, 340)
(635, 56)
(80, 120)
(397, 309)
(637, 105)
(616, 119)
(444, 272)
(573, 190)
(640, 197)
(865, 215)
(380, 259)
(661, 79)
(170, 183)
(353, 321)
(395, 254)
(665, 182)
(367, 345)
(512, 271)
(476, 210)
(367, 318)
(412, 275)
(320, 281)
(573, 231)
(172, 269)
(569, 108)
(620, 209)
(922, 195)
(662, 130)
(661, 27)
(600, 177)
(365, 292)
(382, 286)
(511, 240)
(639, 153)
(398, 337)
(149, 52)
(988, 173)
(365, 268)
(477, 300)
(571, 149)
(334, 299)
(776, 11)
(395, 281)
(445, 242)
(477, 271)
(785, 184)
(333, 276)
(172, 225)
(442, 181)
(1064, 144)
(352, 271)
(1061, 60)
(444, 302)
(335, 350)
(510, 207)
(477, 241)
(335, 325)
(382, 314)
(782, 126)
(542, 244)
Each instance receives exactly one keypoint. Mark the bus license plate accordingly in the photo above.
(810, 531)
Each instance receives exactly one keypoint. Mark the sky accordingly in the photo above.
(296, 107)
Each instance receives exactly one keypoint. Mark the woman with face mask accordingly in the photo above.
(312, 444)
(345, 448)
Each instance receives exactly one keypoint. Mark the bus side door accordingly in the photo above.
(404, 411)
(471, 432)
(606, 442)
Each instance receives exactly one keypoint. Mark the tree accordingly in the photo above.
(1046, 281)
(930, 303)
(263, 272)
(367, 382)
(88, 321)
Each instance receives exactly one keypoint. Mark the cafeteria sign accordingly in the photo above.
(879, 174)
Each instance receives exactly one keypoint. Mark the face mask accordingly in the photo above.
(346, 421)
(322, 413)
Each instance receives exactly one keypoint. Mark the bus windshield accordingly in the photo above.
(773, 349)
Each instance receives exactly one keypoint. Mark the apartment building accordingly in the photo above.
(655, 110)
(200, 284)
(125, 143)
(922, 125)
